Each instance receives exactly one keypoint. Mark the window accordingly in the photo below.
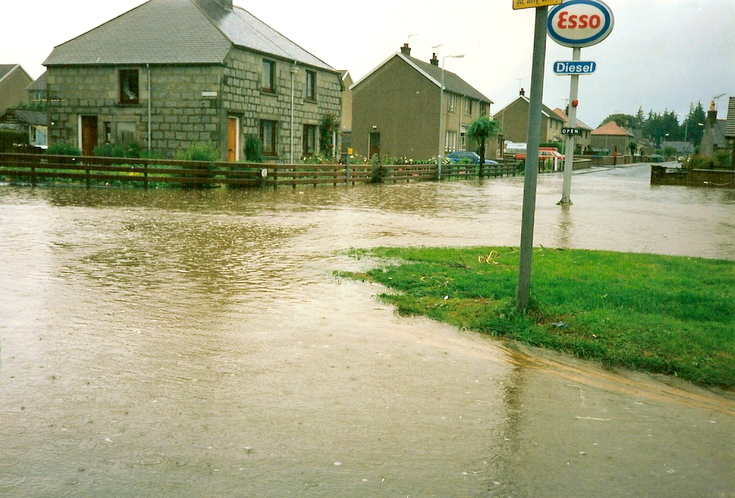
(129, 86)
(462, 141)
(268, 132)
(309, 142)
(468, 106)
(310, 85)
(450, 141)
(451, 102)
(269, 76)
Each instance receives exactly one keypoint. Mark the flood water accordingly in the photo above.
(196, 343)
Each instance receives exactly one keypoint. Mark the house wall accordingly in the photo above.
(13, 89)
(400, 104)
(243, 98)
(180, 114)
(514, 120)
(613, 143)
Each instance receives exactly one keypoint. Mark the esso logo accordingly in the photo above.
(580, 23)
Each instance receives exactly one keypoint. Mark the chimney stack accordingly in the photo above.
(406, 50)
(712, 114)
(522, 93)
(434, 60)
(226, 4)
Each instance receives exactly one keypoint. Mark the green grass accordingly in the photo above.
(662, 314)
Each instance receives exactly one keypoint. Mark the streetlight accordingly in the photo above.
(441, 115)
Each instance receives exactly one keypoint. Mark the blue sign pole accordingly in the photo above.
(570, 141)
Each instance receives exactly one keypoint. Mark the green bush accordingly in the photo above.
(199, 152)
(63, 149)
(253, 149)
(11, 138)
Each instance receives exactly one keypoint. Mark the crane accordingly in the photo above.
(716, 99)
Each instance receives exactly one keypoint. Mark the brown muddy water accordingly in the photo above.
(196, 343)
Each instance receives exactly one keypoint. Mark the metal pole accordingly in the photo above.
(441, 125)
(294, 70)
(566, 192)
(523, 295)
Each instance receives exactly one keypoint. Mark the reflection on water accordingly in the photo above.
(194, 343)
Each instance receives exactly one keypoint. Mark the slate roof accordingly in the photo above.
(545, 111)
(563, 115)
(452, 82)
(22, 116)
(39, 84)
(178, 32)
(6, 69)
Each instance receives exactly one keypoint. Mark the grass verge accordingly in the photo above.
(661, 314)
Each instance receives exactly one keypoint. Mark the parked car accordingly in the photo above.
(543, 154)
(466, 155)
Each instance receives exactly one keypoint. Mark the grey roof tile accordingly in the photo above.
(177, 32)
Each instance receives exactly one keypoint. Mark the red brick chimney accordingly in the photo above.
(434, 60)
(406, 50)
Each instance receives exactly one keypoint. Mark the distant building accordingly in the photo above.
(514, 121)
(37, 92)
(612, 139)
(396, 109)
(170, 74)
(33, 123)
(13, 83)
(682, 148)
(582, 141)
(713, 139)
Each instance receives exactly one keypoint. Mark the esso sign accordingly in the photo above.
(580, 23)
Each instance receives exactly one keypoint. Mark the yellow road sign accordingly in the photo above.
(530, 4)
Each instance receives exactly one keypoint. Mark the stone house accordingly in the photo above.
(170, 74)
(612, 139)
(714, 138)
(396, 109)
(514, 120)
(13, 83)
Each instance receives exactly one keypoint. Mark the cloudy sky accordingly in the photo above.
(661, 55)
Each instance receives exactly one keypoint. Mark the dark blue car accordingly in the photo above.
(466, 155)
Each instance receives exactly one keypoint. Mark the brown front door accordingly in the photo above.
(89, 135)
(374, 145)
(232, 139)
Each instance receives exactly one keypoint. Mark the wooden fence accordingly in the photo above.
(95, 171)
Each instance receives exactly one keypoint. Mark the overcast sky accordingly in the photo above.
(661, 55)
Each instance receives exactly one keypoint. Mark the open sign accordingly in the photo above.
(580, 23)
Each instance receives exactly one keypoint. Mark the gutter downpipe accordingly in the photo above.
(150, 107)
(294, 70)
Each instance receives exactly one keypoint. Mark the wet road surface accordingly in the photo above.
(188, 343)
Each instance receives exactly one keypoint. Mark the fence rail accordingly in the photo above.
(42, 168)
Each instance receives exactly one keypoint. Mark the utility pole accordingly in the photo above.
(523, 295)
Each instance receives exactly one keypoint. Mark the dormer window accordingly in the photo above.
(129, 86)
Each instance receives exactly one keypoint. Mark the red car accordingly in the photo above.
(543, 154)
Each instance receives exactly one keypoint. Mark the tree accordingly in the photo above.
(694, 124)
(624, 120)
(480, 130)
(327, 128)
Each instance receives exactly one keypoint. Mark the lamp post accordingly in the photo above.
(441, 115)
